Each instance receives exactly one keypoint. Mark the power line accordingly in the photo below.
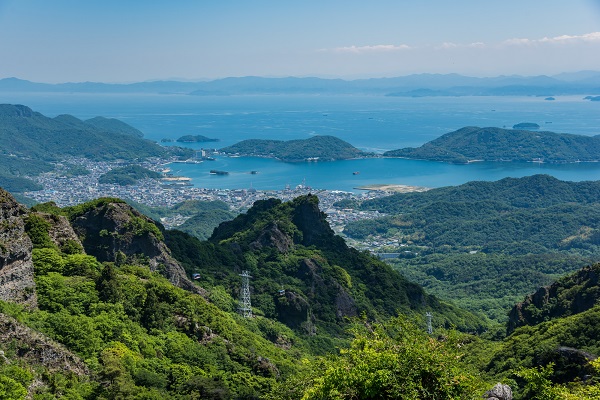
(429, 326)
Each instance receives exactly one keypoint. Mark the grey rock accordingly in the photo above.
(61, 230)
(39, 349)
(113, 229)
(499, 392)
(16, 267)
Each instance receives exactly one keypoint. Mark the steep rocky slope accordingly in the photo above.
(570, 295)
(16, 267)
(114, 231)
(303, 274)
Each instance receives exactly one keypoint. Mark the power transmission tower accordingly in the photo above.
(245, 304)
(429, 326)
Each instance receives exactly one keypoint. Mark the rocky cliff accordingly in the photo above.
(38, 349)
(302, 273)
(16, 267)
(114, 231)
(568, 296)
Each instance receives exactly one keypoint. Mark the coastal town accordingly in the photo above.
(66, 190)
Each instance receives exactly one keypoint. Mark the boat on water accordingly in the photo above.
(254, 172)
(217, 172)
(356, 173)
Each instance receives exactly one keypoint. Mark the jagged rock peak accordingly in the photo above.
(111, 230)
(543, 305)
(16, 266)
(267, 222)
(311, 221)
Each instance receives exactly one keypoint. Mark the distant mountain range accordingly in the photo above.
(496, 144)
(584, 82)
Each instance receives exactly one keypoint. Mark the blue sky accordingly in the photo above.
(126, 41)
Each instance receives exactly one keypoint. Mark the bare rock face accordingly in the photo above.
(499, 392)
(61, 232)
(579, 292)
(112, 231)
(16, 267)
(272, 236)
(312, 222)
(39, 349)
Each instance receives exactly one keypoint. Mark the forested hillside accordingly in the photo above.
(304, 275)
(94, 305)
(496, 144)
(323, 148)
(476, 242)
(30, 142)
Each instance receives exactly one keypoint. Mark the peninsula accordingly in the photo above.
(497, 144)
(316, 148)
(33, 143)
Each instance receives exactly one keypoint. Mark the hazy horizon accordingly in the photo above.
(353, 78)
(136, 41)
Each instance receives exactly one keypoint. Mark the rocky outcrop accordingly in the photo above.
(312, 222)
(294, 311)
(61, 232)
(499, 392)
(37, 349)
(114, 231)
(570, 295)
(272, 236)
(16, 267)
(570, 364)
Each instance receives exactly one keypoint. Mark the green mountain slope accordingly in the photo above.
(110, 323)
(558, 324)
(324, 148)
(114, 125)
(497, 144)
(289, 247)
(30, 142)
(474, 242)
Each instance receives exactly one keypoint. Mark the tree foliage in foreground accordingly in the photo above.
(395, 360)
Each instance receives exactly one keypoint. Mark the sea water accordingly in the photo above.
(371, 123)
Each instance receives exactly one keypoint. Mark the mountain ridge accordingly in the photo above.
(473, 143)
(447, 84)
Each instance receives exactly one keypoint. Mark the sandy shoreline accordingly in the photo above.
(393, 188)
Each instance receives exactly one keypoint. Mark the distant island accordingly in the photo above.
(195, 139)
(316, 148)
(495, 144)
(526, 125)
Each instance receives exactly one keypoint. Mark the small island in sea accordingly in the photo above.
(496, 144)
(526, 125)
(195, 139)
(316, 148)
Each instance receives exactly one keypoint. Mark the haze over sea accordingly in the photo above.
(371, 123)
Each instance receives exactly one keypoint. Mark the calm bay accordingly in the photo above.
(371, 123)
